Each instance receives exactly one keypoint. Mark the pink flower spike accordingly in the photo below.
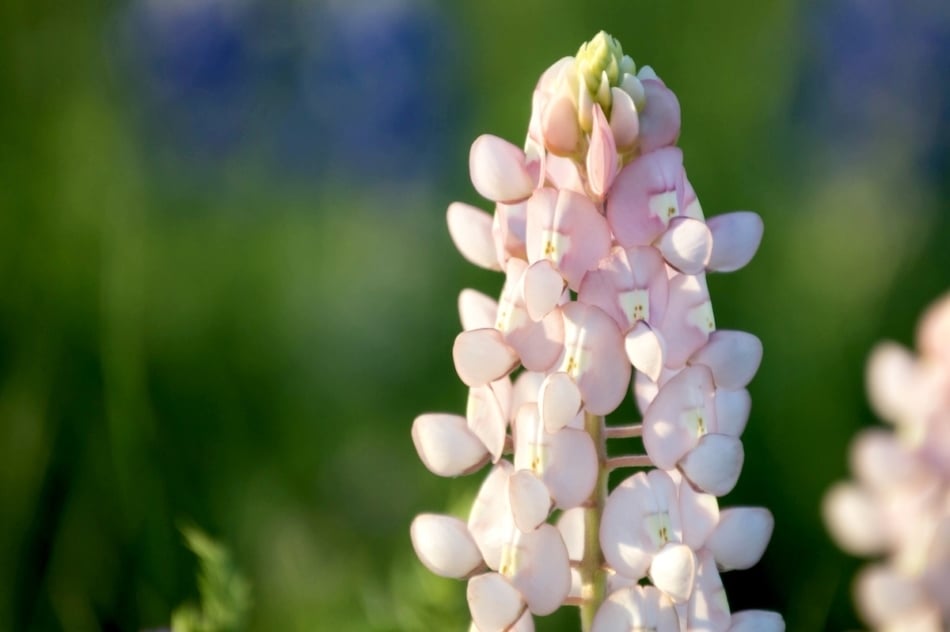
(594, 356)
(559, 401)
(757, 621)
(735, 238)
(601, 155)
(624, 120)
(487, 417)
(686, 245)
(646, 195)
(499, 170)
(493, 602)
(530, 500)
(482, 356)
(732, 411)
(714, 464)
(490, 521)
(542, 570)
(471, 232)
(679, 416)
(733, 357)
(542, 286)
(641, 515)
(636, 608)
(740, 537)
(566, 228)
(559, 126)
(446, 446)
(673, 570)
(444, 545)
(644, 349)
(477, 310)
(660, 118)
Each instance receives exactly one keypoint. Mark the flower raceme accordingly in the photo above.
(898, 506)
(604, 248)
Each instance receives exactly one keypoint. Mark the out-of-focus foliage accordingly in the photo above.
(228, 287)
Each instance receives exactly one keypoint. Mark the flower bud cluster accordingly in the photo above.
(604, 248)
(898, 506)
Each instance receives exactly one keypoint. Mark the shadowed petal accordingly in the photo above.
(542, 286)
(757, 621)
(714, 464)
(646, 195)
(476, 310)
(689, 319)
(530, 501)
(624, 119)
(487, 418)
(735, 238)
(708, 609)
(732, 411)
(542, 569)
(571, 526)
(660, 118)
(559, 401)
(508, 229)
(601, 155)
(679, 416)
(740, 537)
(471, 232)
(733, 357)
(446, 446)
(444, 545)
(700, 515)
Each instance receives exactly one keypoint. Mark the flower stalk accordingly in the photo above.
(593, 575)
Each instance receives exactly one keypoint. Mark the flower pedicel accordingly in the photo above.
(604, 248)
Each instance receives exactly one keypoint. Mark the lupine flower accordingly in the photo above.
(898, 506)
(604, 247)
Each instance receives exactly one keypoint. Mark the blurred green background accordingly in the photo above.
(228, 287)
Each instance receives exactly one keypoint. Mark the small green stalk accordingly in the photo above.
(593, 575)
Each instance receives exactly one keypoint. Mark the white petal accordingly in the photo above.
(477, 310)
(886, 596)
(854, 519)
(530, 500)
(644, 349)
(487, 418)
(732, 411)
(471, 232)
(699, 512)
(636, 608)
(494, 603)
(543, 570)
(686, 245)
(482, 356)
(714, 464)
(571, 526)
(673, 571)
(446, 446)
(735, 238)
(490, 521)
(444, 545)
(891, 373)
(542, 286)
(559, 401)
(740, 537)
(733, 357)
(498, 170)
(757, 621)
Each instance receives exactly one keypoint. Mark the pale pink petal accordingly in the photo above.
(542, 569)
(646, 195)
(524, 624)
(624, 119)
(487, 418)
(566, 228)
(714, 464)
(732, 411)
(735, 238)
(660, 118)
(530, 501)
(854, 520)
(891, 375)
(630, 285)
(542, 286)
(644, 349)
(562, 173)
(689, 319)
(571, 526)
(740, 537)
(446, 446)
(880, 461)
(508, 228)
(559, 127)
(733, 357)
(471, 232)
(636, 608)
(490, 521)
(493, 602)
(538, 344)
(641, 515)
(594, 356)
(673, 571)
(884, 595)
(679, 416)
(525, 391)
(559, 401)
(933, 333)
(477, 310)
(444, 545)
(482, 356)
(499, 171)
(757, 621)
(645, 390)
(601, 155)
(686, 245)
(708, 609)
(700, 515)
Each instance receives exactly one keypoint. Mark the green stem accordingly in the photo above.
(593, 575)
